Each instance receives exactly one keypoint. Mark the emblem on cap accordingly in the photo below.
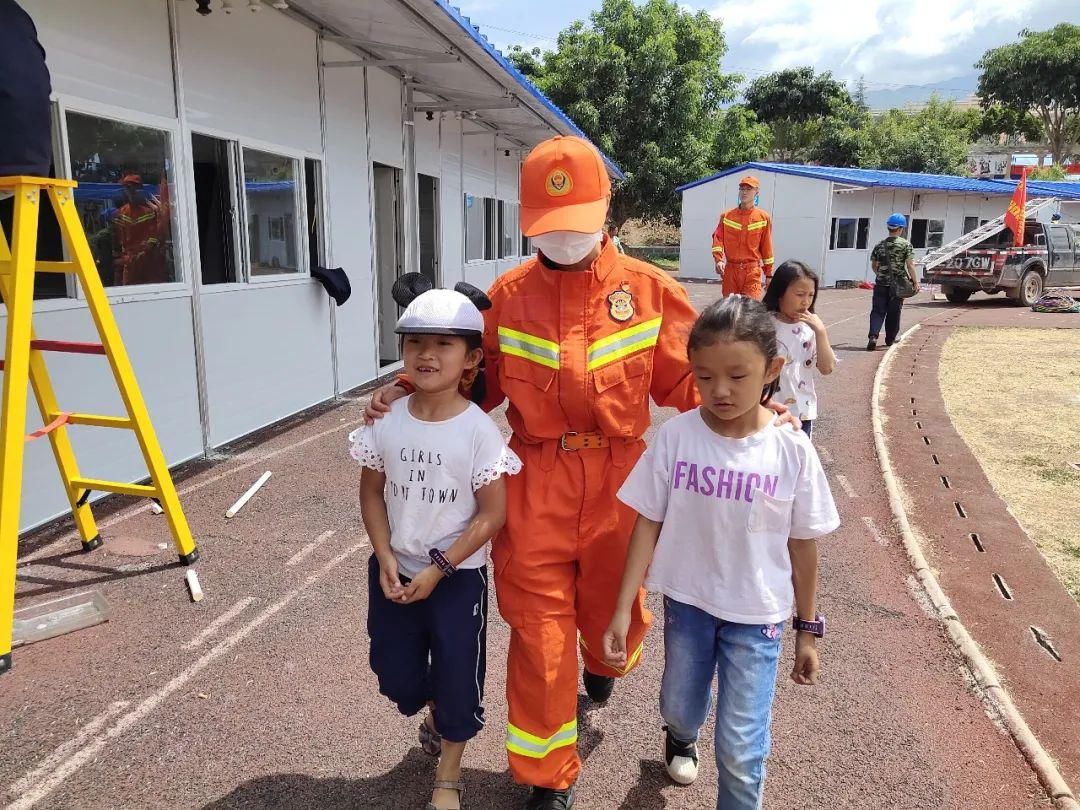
(621, 304)
(559, 183)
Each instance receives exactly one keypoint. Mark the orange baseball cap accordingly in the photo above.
(564, 187)
(751, 181)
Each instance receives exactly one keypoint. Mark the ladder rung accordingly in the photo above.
(43, 182)
(42, 267)
(68, 346)
(100, 421)
(57, 267)
(139, 490)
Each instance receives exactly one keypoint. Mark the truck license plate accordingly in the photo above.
(970, 263)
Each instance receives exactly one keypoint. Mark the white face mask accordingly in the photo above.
(567, 247)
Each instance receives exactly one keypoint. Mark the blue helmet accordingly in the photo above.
(896, 221)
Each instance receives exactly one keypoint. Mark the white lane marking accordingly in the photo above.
(41, 782)
(68, 748)
(310, 547)
(255, 462)
(881, 541)
(846, 486)
(217, 623)
(845, 320)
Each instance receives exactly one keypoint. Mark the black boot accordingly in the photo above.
(550, 799)
(871, 344)
(597, 687)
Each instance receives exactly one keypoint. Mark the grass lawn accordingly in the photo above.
(671, 265)
(1014, 396)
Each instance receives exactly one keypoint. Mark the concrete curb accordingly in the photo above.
(981, 668)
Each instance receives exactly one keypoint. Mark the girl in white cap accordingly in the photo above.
(432, 495)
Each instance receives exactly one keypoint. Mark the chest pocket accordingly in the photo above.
(622, 394)
(754, 232)
(769, 515)
(519, 370)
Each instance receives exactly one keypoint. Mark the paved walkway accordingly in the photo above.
(259, 696)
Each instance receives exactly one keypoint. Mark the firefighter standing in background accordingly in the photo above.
(140, 229)
(742, 244)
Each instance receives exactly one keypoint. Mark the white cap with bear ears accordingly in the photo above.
(438, 312)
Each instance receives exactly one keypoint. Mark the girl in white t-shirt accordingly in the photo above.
(432, 494)
(729, 506)
(801, 338)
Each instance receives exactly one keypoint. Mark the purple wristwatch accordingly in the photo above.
(441, 562)
(815, 628)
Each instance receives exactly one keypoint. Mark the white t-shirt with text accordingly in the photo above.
(797, 344)
(433, 470)
(728, 507)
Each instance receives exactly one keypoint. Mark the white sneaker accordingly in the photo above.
(681, 758)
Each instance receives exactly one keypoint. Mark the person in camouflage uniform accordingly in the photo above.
(892, 260)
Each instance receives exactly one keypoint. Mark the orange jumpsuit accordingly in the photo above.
(578, 354)
(139, 246)
(744, 238)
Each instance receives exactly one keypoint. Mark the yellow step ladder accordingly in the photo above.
(24, 362)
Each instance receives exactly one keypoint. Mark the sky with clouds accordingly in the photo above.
(890, 43)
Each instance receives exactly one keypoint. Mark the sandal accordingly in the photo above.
(430, 739)
(458, 786)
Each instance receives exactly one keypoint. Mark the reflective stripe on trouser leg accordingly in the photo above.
(536, 564)
(519, 741)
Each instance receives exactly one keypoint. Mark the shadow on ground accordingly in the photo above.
(408, 784)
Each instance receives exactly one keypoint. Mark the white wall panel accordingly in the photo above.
(112, 52)
(253, 75)
(348, 210)
(385, 100)
(159, 339)
(451, 202)
(267, 355)
(428, 159)
(479, 165)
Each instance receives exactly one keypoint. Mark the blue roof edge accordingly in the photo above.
(866, 177)
(466, 25)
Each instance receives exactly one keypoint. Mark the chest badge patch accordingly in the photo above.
(621, 304)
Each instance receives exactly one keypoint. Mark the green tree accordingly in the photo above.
(795, 103)
(1047, 173)
(997, 120)
(740, 138)
(1037, 74)
(934, 139)
(644, 83)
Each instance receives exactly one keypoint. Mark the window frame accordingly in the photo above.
(861, 227)
(237, 143)
(64, 104)
(514, 235)
(465, 228)
(927, 232)
(302, 272)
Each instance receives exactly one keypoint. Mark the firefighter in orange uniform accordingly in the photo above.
(742, 244)
(139, 230)
(578, 339)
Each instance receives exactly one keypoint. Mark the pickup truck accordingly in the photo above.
(1049, 257)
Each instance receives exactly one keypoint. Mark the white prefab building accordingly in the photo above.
(831, 218)
(379, 136)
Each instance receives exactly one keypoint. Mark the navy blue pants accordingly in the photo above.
(434, 650)
(885, 310)
(808, 428)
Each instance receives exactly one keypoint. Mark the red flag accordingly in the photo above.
(1014, 217)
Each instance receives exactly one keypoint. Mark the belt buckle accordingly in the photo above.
(562, 442)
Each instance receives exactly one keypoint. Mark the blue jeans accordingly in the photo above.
(745, 658)
(808, 428)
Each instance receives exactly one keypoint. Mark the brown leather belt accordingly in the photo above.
(573, 442)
